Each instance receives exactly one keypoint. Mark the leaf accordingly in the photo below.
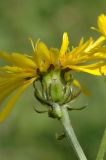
(102, 149)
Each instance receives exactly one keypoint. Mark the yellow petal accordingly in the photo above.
(22, 61)
(42, 56)
(83, 89)
(73, 56)
(18, 59)
(95, 44)
(12, 69)
(7, 87)
(100, 70)
(7, 109)
(80, 49)
(97, 56)
(54, 56)
(81, 41)
(10, 82)
(17, 72)
(93, 65)
(64, 45)
(100, 55)
(42, 51)
(102, 24)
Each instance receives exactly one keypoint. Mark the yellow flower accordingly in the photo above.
(23, 70)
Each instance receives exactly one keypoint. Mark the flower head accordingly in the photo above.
(23, 70)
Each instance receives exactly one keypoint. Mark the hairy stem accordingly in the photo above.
(71, 135)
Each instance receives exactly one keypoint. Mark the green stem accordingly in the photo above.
(71, 135)
(102, 148)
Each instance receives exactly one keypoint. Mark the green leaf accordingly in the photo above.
(102, 149)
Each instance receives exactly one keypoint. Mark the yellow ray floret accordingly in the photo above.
(97, 71)
(64, 45)
(41, 56)
(102, 24)
(7, 109)
(18, 76)
(18, 59)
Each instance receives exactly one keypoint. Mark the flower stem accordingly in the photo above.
(102, 148)
(71, 135)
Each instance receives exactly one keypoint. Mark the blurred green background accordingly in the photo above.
(26, 135)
